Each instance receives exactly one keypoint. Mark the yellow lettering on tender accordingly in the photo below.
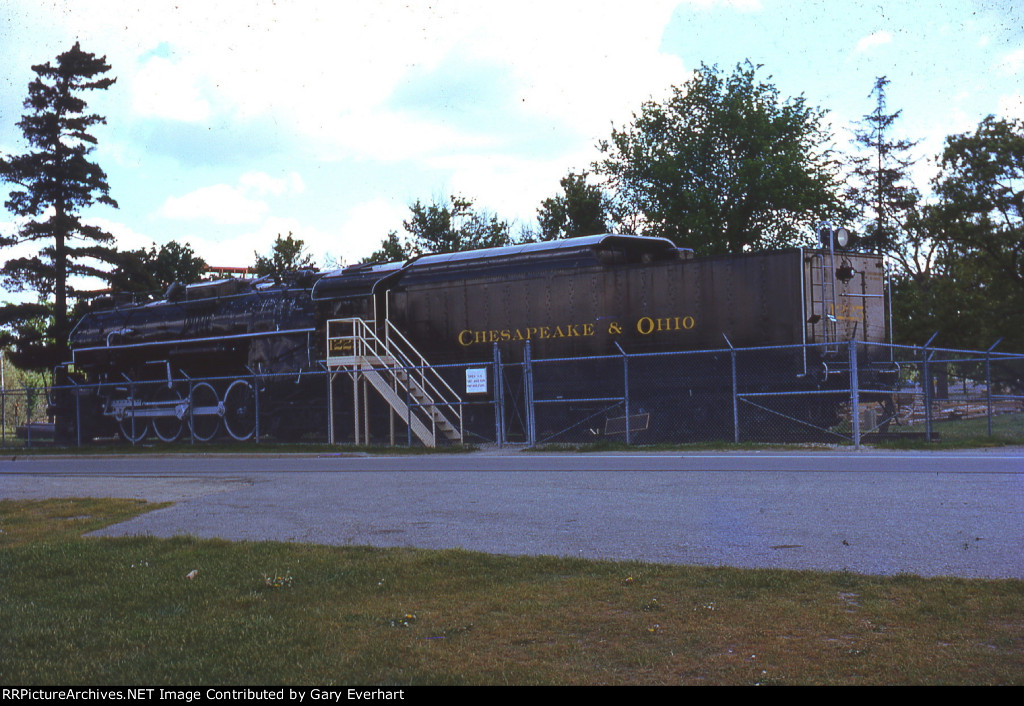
(469, 337)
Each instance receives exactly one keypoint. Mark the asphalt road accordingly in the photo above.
(931, 513)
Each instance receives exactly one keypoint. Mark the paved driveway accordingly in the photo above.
(926, 513)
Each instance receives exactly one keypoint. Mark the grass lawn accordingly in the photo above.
(125, 611)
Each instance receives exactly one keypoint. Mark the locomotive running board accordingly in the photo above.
(416, 393)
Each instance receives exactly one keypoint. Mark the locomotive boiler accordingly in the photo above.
(235, 357)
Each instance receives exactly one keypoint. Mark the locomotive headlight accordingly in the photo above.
(842, 237)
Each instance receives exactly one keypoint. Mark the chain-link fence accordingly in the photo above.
(838, 393)
(23, 416)
(947, 393)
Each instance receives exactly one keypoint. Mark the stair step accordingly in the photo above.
(388, 371)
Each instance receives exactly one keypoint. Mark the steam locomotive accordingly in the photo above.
(240, 357)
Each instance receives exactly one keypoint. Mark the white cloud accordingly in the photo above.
(323, 71)
(224, 204)
(871, 41)
(221, 204)
(260, 183)
(360, 232)
(241, 250)
(519, 184)
(127, 238)
(389, 137)
(326, 70)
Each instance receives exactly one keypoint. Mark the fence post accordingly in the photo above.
(408, 415)
(78, 416)
(256, 403)
(330, 406)
(531, 418)
(625, 387)
(131, 396)
(499, 404)
(854, 394)
(926, 382)
(988, 384)
(735, 392)
(988, 389)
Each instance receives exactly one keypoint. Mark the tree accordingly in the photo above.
(582, 209)
(392, 249)
(174, 262)
(440, 228)
(53, 184)
(979, 223)
(287, 255)
(725, 165)
(882, 193)
(155, 270)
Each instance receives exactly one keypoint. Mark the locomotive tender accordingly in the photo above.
(144, 368)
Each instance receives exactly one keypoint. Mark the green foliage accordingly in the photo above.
(25, 398)
(155, 270)
(53, 184)
(725, 165)
(23, 330)
(981, 187)
(975, 296)
(582, 209)
(443, 228)
(287, 255)
(881, 190)
(439, 228)
(392, 249)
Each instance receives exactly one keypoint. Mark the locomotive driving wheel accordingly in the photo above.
(207, 410)
(168, 427)
(240, 410)
(133, 428)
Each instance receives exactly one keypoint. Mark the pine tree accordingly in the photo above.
(882, 191)
(53, 184)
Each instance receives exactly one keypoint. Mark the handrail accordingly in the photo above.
(395, 353)
(422, 365)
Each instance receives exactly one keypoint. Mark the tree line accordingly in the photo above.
(724, 164)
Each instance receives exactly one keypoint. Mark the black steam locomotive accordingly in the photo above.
(239, 357)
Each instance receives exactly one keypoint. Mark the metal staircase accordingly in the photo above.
(382, 358)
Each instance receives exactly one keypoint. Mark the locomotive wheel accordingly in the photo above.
(240, 410)
(169, 428)
(133, 429)
(206, 412)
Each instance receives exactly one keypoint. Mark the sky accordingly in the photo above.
(232, 122)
